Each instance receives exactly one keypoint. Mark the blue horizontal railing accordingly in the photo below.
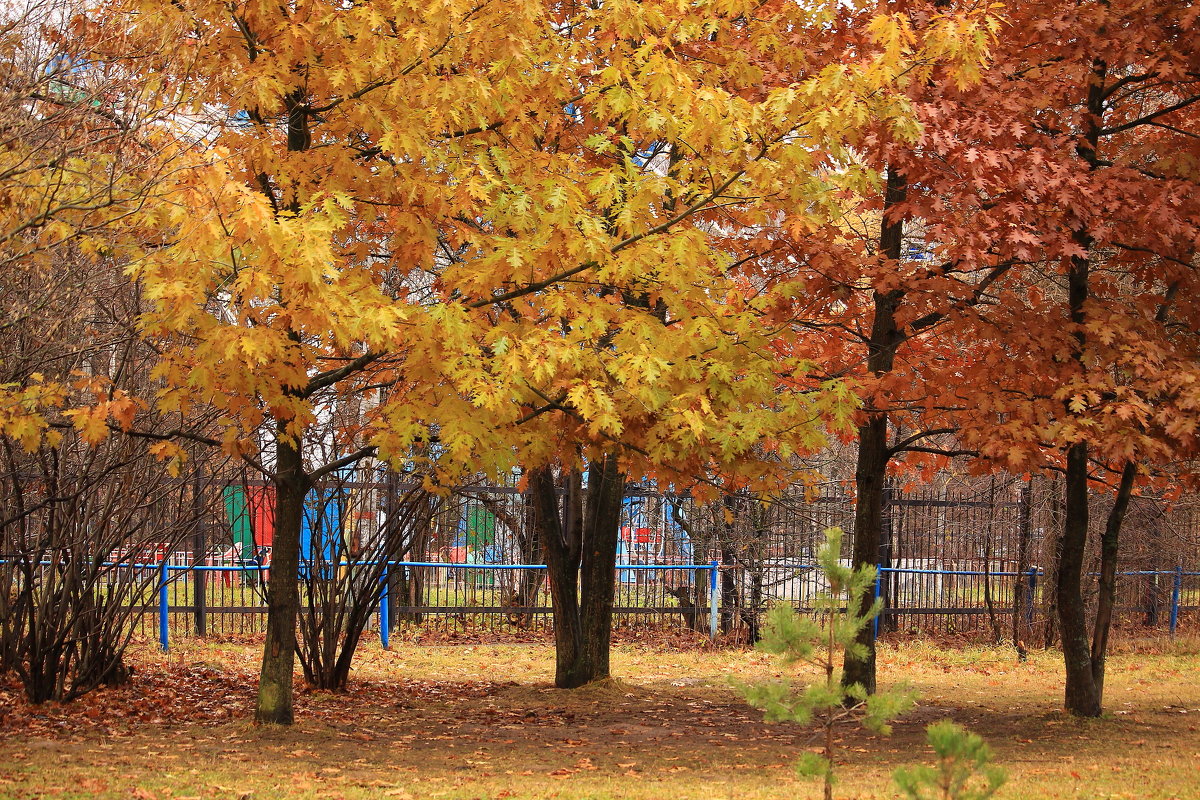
(165, 578)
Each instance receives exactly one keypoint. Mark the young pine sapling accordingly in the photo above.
(816, 640)
(963, 770)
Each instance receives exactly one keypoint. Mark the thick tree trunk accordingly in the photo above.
(870, 470)
(283, 598)
(562, 567)
(581, 556)
(1108, 575)
(606, 486)
(1081, 696)
(868, 507)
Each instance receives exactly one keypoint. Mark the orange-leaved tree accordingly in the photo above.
(1021, 285)
(861, 294)
(1093, 356)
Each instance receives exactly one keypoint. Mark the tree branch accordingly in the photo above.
(344, 461)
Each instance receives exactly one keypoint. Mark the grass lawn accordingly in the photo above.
(482, 721)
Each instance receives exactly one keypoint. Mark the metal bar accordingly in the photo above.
(712, 600)
(385, 624)
(164, 607)
(875, 619)
(934, 611)
(913, 571)
(1176, 590)
(1031, 595)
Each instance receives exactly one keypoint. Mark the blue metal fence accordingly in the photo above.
(170, 583)
(169, 574)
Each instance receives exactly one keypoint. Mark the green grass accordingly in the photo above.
(482, 721)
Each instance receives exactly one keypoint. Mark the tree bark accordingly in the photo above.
(562, 567)
(1108, 575)
(283, 597)
(529, 582)
(1082, 695)
(581, 555)
(988, 548)
(291, 483)
(868, 516)
(606, 487)
(870, 470)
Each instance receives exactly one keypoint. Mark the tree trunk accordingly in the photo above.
(1108, 576)
(753, 615)
(581, 556)
(283, 598)
(760, 532)
(870, 470)
(601, 530)
(1082, 695)
(562, 567)
(988, 548)
(730, 544)
(397, 576)
(889, 617)
(1021, 585)
(339, 678)
(731, 597)
(528, 582)
(868, 517)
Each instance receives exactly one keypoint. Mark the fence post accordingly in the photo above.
(1176, 590)
(1030, 595)
(886, 591)
(199, 550)
(385, 622)
(875, 621)
(712, 601)
(163, 606)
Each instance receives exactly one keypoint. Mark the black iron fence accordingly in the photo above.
(476, 595)
(956, 558)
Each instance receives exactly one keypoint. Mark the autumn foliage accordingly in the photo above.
(686, 243)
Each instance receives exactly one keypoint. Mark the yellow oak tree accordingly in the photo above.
(504, 215)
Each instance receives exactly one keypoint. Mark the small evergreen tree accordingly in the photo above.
(816, 640)
(962, 772)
